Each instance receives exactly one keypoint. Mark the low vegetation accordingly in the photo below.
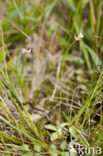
(51, 77)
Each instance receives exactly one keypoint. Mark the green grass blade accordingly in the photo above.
(95, 58)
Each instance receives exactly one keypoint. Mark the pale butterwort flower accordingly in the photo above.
(80, 36)
(25, 51)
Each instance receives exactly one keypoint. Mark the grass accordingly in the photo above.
(51, 99)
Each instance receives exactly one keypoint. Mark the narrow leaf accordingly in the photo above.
(95, 58)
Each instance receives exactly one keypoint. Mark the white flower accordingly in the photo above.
(80, 36)
(25, 51)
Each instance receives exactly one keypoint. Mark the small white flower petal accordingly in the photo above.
(80, 35)
(24, 50)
